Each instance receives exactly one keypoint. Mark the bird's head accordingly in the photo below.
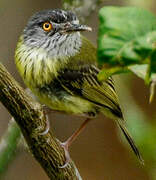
(56, 31)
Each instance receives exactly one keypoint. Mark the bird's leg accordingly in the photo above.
(47, 127)
(65, 145)
(71, 139)
(46, 111)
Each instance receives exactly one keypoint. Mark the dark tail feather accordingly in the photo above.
(130, 141)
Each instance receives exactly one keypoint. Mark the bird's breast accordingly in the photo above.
(36, 66)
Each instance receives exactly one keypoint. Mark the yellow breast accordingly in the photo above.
(35, 66)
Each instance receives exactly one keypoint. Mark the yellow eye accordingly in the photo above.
(47, 26)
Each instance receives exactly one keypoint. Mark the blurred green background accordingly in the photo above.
(99, 152)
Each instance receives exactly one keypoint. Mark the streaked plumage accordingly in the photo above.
(61, 69)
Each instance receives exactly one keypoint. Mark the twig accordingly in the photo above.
(29, 116)
(8, 145)
(82, 8)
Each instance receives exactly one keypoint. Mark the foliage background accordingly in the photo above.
(99, 152)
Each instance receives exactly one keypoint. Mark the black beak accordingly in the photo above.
(70, 28)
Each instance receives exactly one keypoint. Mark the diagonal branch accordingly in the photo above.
(82, 8)
(8, 145)
(30, 117)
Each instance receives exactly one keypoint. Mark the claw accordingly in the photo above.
(69, 141)
(67, 155)
(47, 127)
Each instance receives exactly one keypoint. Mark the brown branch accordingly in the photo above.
(30, 117)
(83, 8)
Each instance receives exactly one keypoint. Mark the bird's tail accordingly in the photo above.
(130, 140)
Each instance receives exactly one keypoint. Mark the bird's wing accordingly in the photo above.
(83, 82)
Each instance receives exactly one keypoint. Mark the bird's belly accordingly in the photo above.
(65, 102)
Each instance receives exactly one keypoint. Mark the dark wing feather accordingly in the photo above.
(84, 83)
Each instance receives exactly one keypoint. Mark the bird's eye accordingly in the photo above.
(47, 26)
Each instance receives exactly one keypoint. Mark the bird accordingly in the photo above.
(59, 65)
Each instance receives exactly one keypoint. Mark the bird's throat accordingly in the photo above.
(39, 66)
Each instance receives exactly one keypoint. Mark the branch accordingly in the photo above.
(82, 8)
(30, 117)
(8, 145)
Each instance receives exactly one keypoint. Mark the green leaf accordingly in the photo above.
(127, 36)
(141, 71)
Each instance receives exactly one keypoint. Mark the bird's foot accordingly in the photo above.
(47, 127)
(70, 140)
(65, 146)
(46, 109)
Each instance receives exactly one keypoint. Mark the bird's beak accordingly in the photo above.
(70, 28)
